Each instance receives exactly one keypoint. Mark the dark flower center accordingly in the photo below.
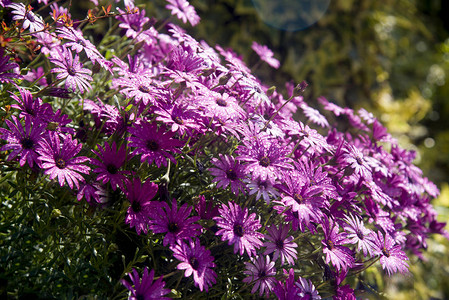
(264, 161)
(60, 163)
(136, 206)
(30, 110)
(178, 120)
(305, 133)
(359, 160)
(263, 184)
(221, 102)
(140, 296)
(194, 262)
(27, 143)
(298, 198)
(112, 169)
(360, 234)
(386, 252)
(71, 71)
(231, 174)
(81, 42)
(152, 145)
(330, 244)
(239, 230)
(262, 274)
(280, 244)
(173, 227)
(30, 17)
(144, 89)
(135, 27)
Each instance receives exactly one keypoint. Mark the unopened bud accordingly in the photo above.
(207, 72)
(224, 79)
(300, 88)
(348, 171)
(152, 21)
(271, 91)
(139, 45)
(147, 26)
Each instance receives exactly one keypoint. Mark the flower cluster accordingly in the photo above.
(168, 122)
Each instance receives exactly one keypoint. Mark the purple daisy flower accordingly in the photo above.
(265, 160)
(314, 115)
(222, 106)
(30, 20)
(184, 11)
(111, 160)
(358, 234)
(392, 258)
(140, 87)
(332, 107)
(90, 191)
(340, 256)
(266, 55)
(57, 122)
(366, 115)
(361, 164)
(205, 209)
(181, 119)
(23, 142)
(310, 138)
(315, 176)
(132, 23)
(261, 273)
(153, 143)
(175, 223)
(59, 14)
(304, 199)
(289, 291)
(77, 42)
(344, 292)
(144, 288)
(263, 188)
(5, 66)
(186, 61)
(141, 208)
(71, 69)
(280, 244)
(239, 229)
(307, 290)
(235, 61)
(189, 79)
(4, 3)
(197, 260)
(36, 75)
(47, 42)
(228, 171)
(60, 161)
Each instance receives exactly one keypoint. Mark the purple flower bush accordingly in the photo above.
(183, 151)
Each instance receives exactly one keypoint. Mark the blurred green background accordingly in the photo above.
(390, 57)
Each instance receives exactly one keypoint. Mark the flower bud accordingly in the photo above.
(299, 89)
(224, 79)
(271, 91)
